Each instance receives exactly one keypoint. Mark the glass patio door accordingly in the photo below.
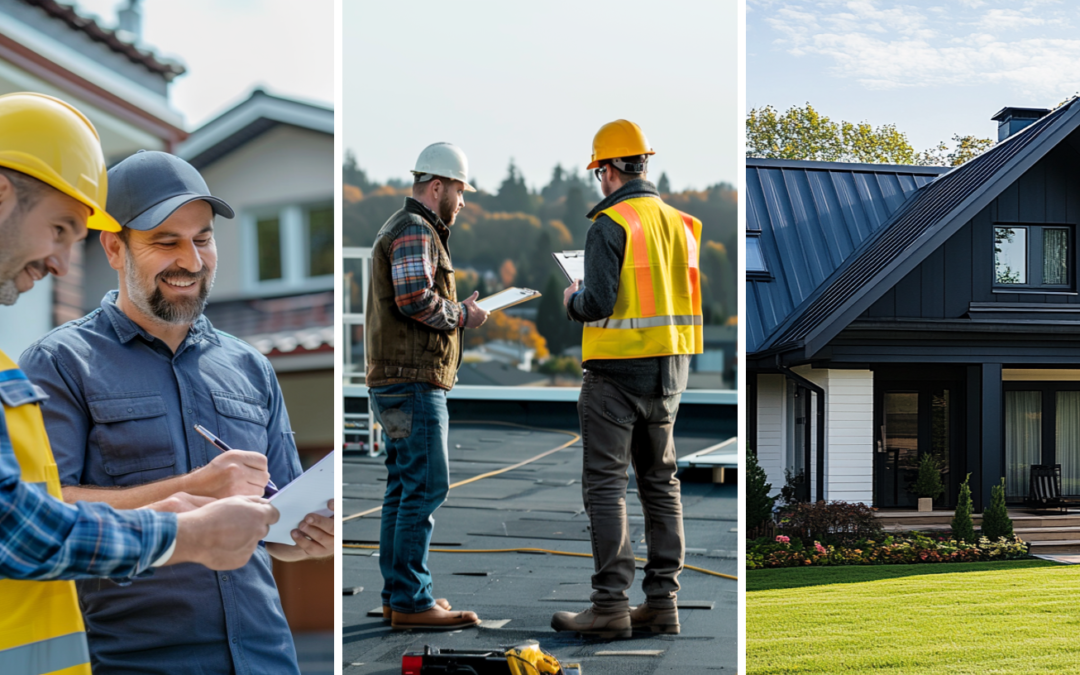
(1023, 440)
(1067, 428)
(913, 422)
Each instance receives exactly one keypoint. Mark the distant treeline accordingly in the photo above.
(507, 238)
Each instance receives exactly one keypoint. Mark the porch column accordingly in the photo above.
(993, 448)
(973, 434)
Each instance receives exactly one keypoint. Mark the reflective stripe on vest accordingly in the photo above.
(46, 656)
(41, 627)
(658, 305)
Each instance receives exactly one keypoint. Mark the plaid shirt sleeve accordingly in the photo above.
(413, 272)
(42, 538)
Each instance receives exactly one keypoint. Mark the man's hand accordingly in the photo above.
(181, 502)
(223, 534)
(570, 290)
(477, 316)
(236, 472)
(314, 539)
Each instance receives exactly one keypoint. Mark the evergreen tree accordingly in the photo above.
(759, 505)
(513, 196)
(574, 215)
(551, 316)
(663, 186)
(996, 521)
(962, 527)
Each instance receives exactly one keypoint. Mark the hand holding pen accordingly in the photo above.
(220, 478)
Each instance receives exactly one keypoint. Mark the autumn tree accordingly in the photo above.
(502, 326)
(507, 272)
(804, 133)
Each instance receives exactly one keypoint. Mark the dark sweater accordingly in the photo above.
(605, 245)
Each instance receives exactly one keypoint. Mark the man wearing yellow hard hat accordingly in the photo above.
(52, 185)
(641, 306)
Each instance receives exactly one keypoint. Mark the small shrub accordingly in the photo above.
(834, 522)
(962, 527)
(996, 522)
(793, 489)
(928, 484)
(759, 505)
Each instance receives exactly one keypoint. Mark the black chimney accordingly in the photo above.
(1011, 120)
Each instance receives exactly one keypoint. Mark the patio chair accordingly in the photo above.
(1045, 489)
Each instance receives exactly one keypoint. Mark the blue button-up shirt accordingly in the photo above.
(121, 412)
(42, 538)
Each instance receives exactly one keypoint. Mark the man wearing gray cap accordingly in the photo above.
(127, 385)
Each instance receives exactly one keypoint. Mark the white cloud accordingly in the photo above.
(1008, 19)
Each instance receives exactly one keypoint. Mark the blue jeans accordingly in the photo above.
(415, 424)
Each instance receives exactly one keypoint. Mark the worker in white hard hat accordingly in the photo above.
(52, 187)
(413, 332)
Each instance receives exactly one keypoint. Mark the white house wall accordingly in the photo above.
(286, 165)
(849, 429)
(771, 403)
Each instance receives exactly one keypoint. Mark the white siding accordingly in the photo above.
(771, 437)
(849, 410)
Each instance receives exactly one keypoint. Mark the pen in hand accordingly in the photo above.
(270, 490)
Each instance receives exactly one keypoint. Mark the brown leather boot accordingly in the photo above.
(433, 619)
(387, 612)
(589, 622)
(653, 620)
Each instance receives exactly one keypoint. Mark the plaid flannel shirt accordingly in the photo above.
(413, 271)
(42, 538)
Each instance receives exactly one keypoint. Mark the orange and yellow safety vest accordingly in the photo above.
(658, 307)
(41, 627)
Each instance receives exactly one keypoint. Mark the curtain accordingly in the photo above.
(1068, 440)
(1023, 439)
(1055, 252)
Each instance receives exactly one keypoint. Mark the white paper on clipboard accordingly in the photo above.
(307, 494)
(508, 297)
(572, 264)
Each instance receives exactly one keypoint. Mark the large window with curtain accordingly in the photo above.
(1023, 440)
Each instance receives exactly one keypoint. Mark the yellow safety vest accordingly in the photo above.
(41, 627)
(658, 307)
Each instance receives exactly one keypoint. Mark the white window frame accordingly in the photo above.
(295, 250)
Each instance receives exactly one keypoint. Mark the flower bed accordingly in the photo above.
(914, 547)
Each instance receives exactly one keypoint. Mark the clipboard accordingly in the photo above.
(508, 297)
(307, 494)
(572, 264)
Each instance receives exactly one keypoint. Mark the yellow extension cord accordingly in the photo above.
(510, 468)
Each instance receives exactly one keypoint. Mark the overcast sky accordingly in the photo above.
(229, 47)
(932, 68)
(533, 81)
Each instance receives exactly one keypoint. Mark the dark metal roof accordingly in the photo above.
(811, 216)
(926, 220)
(169, 70)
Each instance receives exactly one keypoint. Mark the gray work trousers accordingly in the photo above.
(617, 429)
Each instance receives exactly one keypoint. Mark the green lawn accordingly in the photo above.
(977, 618)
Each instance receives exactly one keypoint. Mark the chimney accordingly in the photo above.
(131, 20)
(1011, 120)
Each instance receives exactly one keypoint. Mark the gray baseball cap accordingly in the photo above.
(149, 186)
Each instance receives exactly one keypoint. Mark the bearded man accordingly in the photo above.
(127, 385)
(413, 335)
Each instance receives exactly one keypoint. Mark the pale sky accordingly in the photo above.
(230, 47)
(933, 69)
(533, 81)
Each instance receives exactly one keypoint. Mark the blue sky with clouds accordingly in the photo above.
(933, 69)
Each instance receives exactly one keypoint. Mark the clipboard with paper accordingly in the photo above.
(508, 297)
(307, 494)
(572, 264)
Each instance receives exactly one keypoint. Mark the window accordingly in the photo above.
(755, 259)
(1032, 256)
(292, 247)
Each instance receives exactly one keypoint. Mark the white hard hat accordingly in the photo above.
(445, 160)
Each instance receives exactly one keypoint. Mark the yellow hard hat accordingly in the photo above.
(620, 138)
(50, 140)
